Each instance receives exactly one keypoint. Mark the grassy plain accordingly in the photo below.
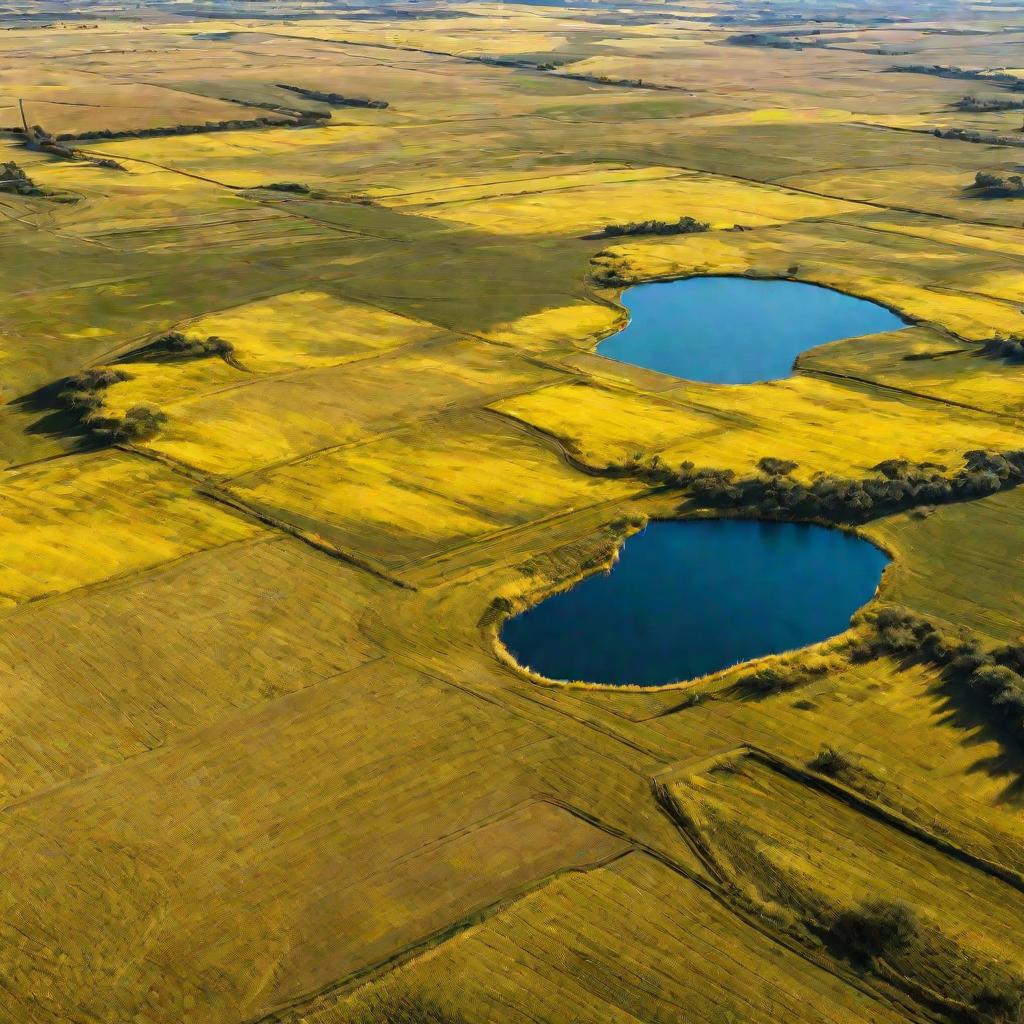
(260, 759)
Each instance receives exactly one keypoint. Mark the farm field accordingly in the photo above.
(300, 399)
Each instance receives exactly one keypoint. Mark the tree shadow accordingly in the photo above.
(980, 723)
(54, 420)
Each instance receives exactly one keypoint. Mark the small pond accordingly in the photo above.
(688, 598)
(735, 330)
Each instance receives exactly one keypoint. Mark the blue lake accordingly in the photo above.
(734, 330)
(688, 598)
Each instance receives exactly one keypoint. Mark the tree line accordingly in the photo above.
(334, 99)
(683, 226)
(897, 485)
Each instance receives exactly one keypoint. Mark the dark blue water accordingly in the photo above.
(688, 598)
(733, 330)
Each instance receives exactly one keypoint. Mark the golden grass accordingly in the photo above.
(257, 422)
(246, 159)
(734, 427)
(351, 879)
(584, 948)
(577, 324)
(121, 670)
(953, 564)
(565, 207)
(75, 522)
(410, 494)
(757, 823)
(305, 329)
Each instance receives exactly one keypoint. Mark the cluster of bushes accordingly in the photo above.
(509, 62)
(996, 675)
(831, 761)
(872, 929)
(83, 393)
(897, 485)
(182, 344)
(333, 99)
(1002, 347)
(996, 185)
(987, 105)
(138, 423)
(288, 186)
(277, 108)
(772, 679)
(683, 226)
(14, 180)
(83, 396)
(607, 277)
(970, 135)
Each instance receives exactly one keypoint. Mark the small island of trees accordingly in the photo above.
(683, 226)
(14, 180)
(995, 185)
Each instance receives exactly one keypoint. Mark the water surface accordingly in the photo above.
(734, 330)
(688, 598)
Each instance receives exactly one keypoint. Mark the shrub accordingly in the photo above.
(832, 762)
(939, 648)
(899, 639)
(95, 380)
(776, 467)
(997, 675)
(770, 679)
(1011, 703)
(139, 422)
(633, 521)
(862, 651)
(875, 928)
(333, 99)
